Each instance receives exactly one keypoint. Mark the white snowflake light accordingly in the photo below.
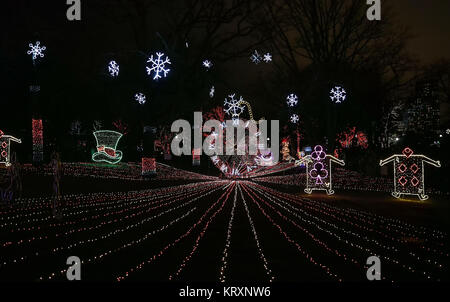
(295, 119)
(292, 100)
(338, 95)
(212, 92)
(447, 131)
(140, 98)
(233, 107)
(267, 58)
(158, 66)
(207, 64)
(113, 68)
(36, 50)
(256, 57)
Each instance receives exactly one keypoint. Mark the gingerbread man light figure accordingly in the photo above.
(409, 173)
(318, 170)
(5, 146)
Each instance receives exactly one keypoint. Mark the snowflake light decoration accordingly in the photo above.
(338, 94)
(158, 66)
(267, 58)
(140, 98)
(233, 107)
(295, 119)
(207, 64)
(36, 50)
(292, 100)
(212, 92)
(447, 131)
(256, 57)
(113, 68)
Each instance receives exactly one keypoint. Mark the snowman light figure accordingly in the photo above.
(409, 173)
(318, 170)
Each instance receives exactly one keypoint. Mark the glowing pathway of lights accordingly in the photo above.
(222, 277)
(258, 244)
(173, 225)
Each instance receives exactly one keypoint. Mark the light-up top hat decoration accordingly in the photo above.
(107, 141)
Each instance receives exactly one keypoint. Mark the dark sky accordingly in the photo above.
(429, 21)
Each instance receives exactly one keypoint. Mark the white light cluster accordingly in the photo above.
(140, 98)
(158, 68)
(113, 68)
(36, 50)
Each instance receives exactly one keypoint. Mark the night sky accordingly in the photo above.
(79, 51)
(429, 23)
(23, 20)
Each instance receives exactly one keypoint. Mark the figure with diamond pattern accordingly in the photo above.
(409, 178)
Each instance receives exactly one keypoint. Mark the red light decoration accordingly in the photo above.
(415, 182)
(346, 138)
(196, 157)
(408, 152)
(402, 168)
(38, 141)
(121, 126)
(216, 113)
(148, 166)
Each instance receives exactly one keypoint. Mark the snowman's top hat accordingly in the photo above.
(107, 141)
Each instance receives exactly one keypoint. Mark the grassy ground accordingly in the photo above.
(434, 212)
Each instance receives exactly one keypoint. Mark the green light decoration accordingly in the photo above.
(107, 141)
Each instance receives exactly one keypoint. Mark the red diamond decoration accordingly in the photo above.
(415, 182)
(402, 168)
(408, 152)
(414, 168)
(403, 181)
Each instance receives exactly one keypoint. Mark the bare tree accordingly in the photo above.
(211, 26)
(440, 72)
(189, 32)
(336, 32)
(391, 113)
